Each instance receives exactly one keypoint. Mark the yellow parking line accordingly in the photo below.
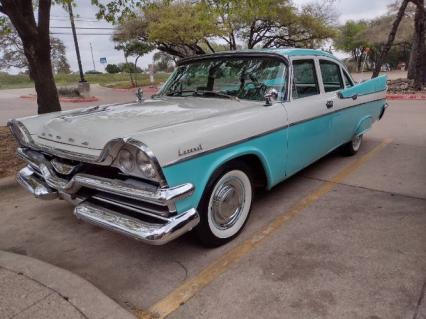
(191, 286)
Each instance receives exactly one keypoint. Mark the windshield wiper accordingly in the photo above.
(173, 93)
(218, 93)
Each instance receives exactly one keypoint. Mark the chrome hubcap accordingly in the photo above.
(356, 142)
(228, 202)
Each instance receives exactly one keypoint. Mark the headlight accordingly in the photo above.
(144, 164)
(20, 132)
(136, 159)
(126, 161)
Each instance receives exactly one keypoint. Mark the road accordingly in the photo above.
(12, 106)
(344, 238)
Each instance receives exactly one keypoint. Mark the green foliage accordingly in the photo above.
(132, 47)
(348, 38)
(117, 10)
(129, 68)
(163, 62)
(364, 39)
(8, 81)
(112, 68)
(92, 72)
(69, 91)
(13, 55)
(184, 28)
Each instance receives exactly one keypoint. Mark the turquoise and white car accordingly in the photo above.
(192, 156)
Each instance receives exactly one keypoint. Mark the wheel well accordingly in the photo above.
(257, 169)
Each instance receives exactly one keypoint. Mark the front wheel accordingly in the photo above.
(225, 206)
(352, 147)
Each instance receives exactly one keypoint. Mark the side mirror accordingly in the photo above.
(270, 97)
(139, 95)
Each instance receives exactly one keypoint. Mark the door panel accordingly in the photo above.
(309, 119)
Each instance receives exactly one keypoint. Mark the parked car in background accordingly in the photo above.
(193, 155)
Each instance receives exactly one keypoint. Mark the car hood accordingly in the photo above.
(93, 127)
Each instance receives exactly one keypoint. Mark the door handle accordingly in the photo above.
(329, 104)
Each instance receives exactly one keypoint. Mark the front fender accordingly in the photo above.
(270, 149)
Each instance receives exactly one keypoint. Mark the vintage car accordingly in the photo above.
(191, 156)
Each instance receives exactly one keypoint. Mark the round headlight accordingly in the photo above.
(144, 165)
(126, 160)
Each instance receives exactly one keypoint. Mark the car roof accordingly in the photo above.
(284, 52)
(292, 52)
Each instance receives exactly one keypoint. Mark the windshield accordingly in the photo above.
(242, 78)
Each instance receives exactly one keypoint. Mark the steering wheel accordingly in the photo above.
(253, 90)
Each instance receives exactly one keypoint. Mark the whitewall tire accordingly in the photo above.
(352, 147)
(226, 205)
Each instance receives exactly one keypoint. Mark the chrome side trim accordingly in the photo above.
(139, 191)
(151, 233)
(208, 151)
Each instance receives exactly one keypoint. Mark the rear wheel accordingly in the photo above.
(352, 147)
(225, 206)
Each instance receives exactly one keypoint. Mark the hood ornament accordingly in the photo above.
(139, 95)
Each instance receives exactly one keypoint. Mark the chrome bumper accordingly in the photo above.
(382, 112)
(40, 179)
(140, 191)
(155, 234)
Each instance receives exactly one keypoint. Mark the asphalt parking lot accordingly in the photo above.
(344, 238)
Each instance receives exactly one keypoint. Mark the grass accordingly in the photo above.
(119, 80)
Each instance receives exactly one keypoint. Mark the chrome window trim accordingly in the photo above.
(237, 54)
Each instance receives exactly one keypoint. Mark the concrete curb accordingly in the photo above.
(88, 299)
(406, 96)
(66, 99)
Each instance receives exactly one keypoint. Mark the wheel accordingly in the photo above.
(352, 147)
(225, 206)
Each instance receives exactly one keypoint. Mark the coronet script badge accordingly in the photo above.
(190, 150)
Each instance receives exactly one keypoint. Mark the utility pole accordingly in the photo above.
(77, 50)
(93, 60)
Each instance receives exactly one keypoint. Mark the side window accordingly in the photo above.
(331, 76)
(347, 79)
(305, 82)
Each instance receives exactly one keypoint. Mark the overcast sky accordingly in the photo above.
(104, 47)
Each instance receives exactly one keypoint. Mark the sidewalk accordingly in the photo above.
(30, 288)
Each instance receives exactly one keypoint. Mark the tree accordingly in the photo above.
(184, 28)
(375, 35)
(129, 68)
(112, 68)
(387, 46)
(348, 39)
(34, 34)
(13, 51)
(163, 61)
(419, 58)
(132, 47)
(59, 59)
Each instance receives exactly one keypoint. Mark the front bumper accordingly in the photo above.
(118, 205)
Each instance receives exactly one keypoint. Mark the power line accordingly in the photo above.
(85, 28)
(63, 33)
